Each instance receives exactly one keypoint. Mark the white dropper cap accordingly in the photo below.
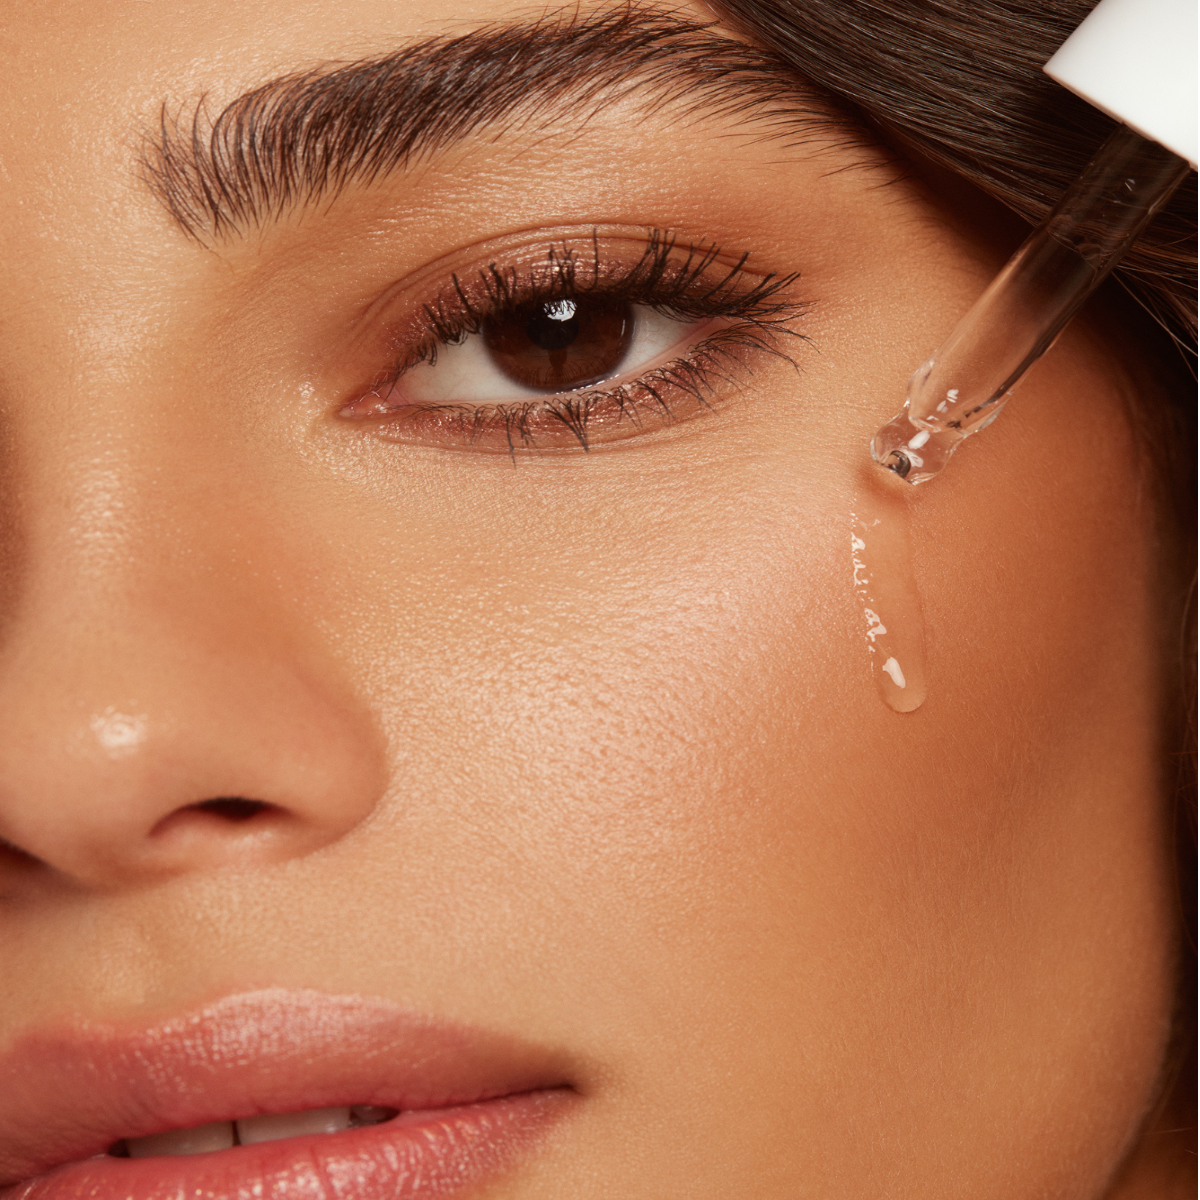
(1136, 60)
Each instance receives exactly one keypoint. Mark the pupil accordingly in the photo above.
(560, 345)
(554, 326)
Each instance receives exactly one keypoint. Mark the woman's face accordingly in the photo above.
(558, 715)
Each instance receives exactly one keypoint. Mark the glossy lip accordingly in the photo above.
(469, 1100)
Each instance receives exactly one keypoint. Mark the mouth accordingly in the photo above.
(250, 1131)
(276, 1092)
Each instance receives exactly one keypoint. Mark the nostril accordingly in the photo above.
(220, 815)
(232, 808)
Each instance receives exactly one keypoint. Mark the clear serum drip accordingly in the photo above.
(893, 625)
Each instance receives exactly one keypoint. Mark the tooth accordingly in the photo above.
(202, 1139)
(285, 1125)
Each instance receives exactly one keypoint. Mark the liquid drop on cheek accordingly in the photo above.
(894, 629)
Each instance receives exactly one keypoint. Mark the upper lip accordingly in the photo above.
(72, 1091)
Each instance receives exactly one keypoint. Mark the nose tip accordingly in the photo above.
(210, 767)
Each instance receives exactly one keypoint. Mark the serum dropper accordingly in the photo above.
(1135, 59)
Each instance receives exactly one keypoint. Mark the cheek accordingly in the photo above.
(631, 717)
(662, 656)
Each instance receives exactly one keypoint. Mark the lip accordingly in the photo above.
(470, 1101)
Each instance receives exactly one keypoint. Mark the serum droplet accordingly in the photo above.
(881, 555)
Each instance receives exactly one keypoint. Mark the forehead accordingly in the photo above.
(86, 83)
(186, 99)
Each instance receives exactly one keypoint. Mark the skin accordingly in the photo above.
(582, 748)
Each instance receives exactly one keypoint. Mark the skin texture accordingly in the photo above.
(580, 747)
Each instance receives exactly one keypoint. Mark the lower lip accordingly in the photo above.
(416, 1156)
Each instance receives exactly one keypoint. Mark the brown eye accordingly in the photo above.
(560, 345)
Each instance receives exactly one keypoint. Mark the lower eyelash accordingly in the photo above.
(655, 397)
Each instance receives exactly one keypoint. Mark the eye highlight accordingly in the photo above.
(575, 349)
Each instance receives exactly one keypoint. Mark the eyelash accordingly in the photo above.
(677, 281)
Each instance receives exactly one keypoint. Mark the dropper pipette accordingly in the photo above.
(962, 387)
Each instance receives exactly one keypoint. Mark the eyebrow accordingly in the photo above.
(307, 136)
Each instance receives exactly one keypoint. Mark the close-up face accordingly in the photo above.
(434, 694)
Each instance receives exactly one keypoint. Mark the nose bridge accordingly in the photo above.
(154, 667)
(114, 525)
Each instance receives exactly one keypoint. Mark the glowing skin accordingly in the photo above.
(580, 749)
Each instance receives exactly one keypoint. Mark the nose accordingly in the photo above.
(162, 712)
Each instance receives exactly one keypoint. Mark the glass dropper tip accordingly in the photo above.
(913, 453)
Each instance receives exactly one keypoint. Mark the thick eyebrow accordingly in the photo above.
(307, 136)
